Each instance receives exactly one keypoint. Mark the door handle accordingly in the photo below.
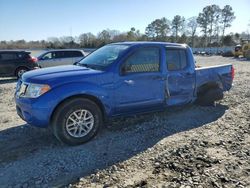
(129, 82)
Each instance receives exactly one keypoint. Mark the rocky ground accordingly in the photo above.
(189, 146)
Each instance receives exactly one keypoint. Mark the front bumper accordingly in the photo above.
(30, 112)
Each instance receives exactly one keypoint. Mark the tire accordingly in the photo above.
(19, 71)
(210, 96)
(76, 121)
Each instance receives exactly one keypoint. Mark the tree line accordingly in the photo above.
(212, 23)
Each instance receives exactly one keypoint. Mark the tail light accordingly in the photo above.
(232, 72)
(33, 59)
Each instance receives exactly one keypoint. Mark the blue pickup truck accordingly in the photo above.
(118, 79)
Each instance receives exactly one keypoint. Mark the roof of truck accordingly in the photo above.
(151, 43)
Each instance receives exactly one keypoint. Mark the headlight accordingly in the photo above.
(35, 90)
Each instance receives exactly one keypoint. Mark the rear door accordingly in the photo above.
(140, 86)
(62, 58)
(68, 58)
(181, 76)
(76, 56)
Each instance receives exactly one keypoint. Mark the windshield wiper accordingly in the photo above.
(84, 65)
(91, 66)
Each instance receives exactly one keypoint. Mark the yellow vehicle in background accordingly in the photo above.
(246, 50)
(238, 51)
(243, 50)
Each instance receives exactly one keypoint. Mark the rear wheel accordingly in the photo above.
(19, 71)
(76, 121)
(208, 97)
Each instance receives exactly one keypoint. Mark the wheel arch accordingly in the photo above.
(22, 66)
(85, 96)
(206, 86)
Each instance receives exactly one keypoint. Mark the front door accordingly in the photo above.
(140, 86)
(50, 59)
(181, 76)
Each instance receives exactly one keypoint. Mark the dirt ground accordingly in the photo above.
(189, 146)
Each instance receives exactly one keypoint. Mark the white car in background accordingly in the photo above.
(60, 57)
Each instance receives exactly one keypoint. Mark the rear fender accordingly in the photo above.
(201, 90)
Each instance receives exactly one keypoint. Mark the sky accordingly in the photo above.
(41, 19)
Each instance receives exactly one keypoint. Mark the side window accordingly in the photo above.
(23, 55)
(176, 59)
(76, 54)
(8, 56)
(49, 55)
(60, 54)
(66, 54)
(143, 60)
(73, 54)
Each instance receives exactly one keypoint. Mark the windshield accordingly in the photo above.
(103, 57)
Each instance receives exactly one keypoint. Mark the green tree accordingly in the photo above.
(183, 38)
(158, 29)
(133, 34)
(228, 40)
(227, 17)
(208, 19)
(177, 25)
(214, 13)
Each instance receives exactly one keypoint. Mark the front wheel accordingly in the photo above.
(76, 121)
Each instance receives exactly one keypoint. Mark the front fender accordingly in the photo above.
(60, 93)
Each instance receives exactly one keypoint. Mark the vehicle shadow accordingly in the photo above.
(242, 59)
(7, 80)
(37, 153)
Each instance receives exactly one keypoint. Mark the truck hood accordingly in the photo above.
(68, 73)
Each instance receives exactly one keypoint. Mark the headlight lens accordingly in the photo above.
(35, 90)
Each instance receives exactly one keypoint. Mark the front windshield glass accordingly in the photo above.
(103, 57)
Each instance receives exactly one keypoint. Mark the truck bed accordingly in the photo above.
(220, 74)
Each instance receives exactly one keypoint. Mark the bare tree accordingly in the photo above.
(87, 40)
(203, 22)
(192, 27)
(177, 25)
(103, 37)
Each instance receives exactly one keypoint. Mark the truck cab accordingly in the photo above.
(145, 78)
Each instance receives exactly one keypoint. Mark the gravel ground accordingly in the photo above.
(187, 146)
